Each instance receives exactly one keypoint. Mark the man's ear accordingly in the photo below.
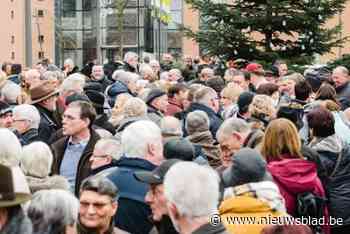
(114, 208)
(87, 121)
(173, 211)
(151, 149)
(237, 136)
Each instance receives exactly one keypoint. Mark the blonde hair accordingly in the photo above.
(232, 92)
(281, 137)
(262, 105)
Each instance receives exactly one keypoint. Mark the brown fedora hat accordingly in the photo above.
(42, 91)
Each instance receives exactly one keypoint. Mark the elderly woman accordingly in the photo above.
(229, 96)
(117, 111)
(290, 170)
(134, 109)
(36, 162)
(197, 127)
(53, 211)
(334, 155)
(10, 148)
(261, 111)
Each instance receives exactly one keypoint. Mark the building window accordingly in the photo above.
(40, 13)
(13, 55)
(12, 14)
(41, 38)
(41, 54)
(12, 39)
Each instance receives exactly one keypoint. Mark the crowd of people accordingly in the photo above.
(148, 147)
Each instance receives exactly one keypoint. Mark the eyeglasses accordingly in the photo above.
(19, 120)
(100, 156)
(96, 205)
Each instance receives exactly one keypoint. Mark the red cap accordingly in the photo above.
(254, 67)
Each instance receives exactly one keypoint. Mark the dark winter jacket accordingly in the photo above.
(164, 226)
(112, 230)
(115, 89)
(338, 185)
(211, 229)
(215, 119)
(58, 149)
(133, 213)
(154, 115)
(48, 125)
(343, 95)
(17, 223)
(104, 82)
(28, 137)
(102, 121)
(128, 68)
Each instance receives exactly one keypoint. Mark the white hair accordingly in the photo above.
(111, 147)
(127, 77)
(204, 95)
(231, 125)
(10, 92)
(197, 121)
(53, 209)
(36, 159)
(135, 107)
(171, 126)
(29, 113)
(69, 62)
(73, 83)
(10, 148)
(129, 55)
(184, 187)
(146, 69)
(137, 136)
(117, 73)
(154, 62)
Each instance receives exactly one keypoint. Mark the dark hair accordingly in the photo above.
(247, 76)
(86, 110)
(267, 89)
(302, 90)
(321, 121)
(4, 65)
(326, 92)
(100, 185)
(175, 89)
(16, 69)
(216, 83)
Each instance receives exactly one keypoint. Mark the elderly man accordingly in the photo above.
(191, 203)
(205, 74)
(155, 196)
(97, 207)
(106, 154)
(234, 134)
(5, 115)
(98, 76)
(72, 152)
(157, 102)
(207, 100)
(340, 77)
(171, 128)
(44, 97)
(131, 62)
(32, 78)
(26, 120)
(142, 149)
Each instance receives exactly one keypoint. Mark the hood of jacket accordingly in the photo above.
(295, 175)
(51, 182)
(116, 89)
(253, 198)
(331, 143)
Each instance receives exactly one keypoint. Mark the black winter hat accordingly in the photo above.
(4, 108)
(77, 97)
(153, 94)
(244, 101)
(97, 99)
(179, 148)
(93, 86)
(248, 166)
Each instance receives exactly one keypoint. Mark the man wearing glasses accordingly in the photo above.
(97, 207)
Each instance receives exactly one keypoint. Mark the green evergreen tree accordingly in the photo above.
(267, 29)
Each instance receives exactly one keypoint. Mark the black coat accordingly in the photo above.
(215, 119)
(337, 187)
(104, 82)
(48, 125)
(211, 229)
(102, 122)
(28, 137)
(133, 213)
(343, 95)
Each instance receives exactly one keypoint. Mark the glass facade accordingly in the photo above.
(87, 30)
